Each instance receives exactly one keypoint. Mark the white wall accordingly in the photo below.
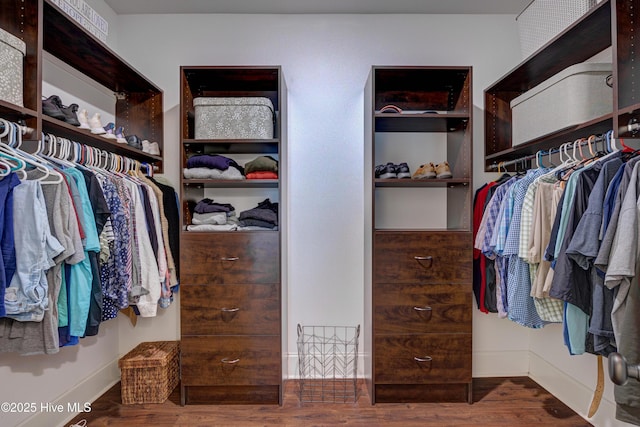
(325, 60)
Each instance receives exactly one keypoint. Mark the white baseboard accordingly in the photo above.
(572, 393)
(73, 400)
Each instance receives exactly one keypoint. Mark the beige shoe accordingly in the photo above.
(425, 171)
(443, 171)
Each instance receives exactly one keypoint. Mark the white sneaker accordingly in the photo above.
(83, 118)
(145, 146)
(154, 149)
(96, 125)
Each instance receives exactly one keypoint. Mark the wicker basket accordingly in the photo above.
(150, 372)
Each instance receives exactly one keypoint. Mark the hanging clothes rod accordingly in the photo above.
(529, 157)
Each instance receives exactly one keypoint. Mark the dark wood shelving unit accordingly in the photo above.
(417, 345)
(232, 291)
(44, 27)
(610, 23)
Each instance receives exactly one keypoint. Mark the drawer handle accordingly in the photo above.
(229, 310)
(425, 308)
(420, 260)
(423, 359)
(228, 361)
(229, 258)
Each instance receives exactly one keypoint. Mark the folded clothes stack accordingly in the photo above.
(263, 167)
(213, 166)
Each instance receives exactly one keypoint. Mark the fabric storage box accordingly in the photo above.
(12, 52)
(542, 20)
(575, 95)
(233, 118)
(150, 372)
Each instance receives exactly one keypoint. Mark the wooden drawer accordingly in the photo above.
(432, 257)
(230, 309)
(420, 359)
(231, 360)
(240, 257)
(411, 308)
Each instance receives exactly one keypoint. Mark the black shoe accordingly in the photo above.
(134, 141)
(402, 171)
(387, 171)
(51, 107)
(70, 115)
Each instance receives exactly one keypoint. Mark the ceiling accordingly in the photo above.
(129, 7)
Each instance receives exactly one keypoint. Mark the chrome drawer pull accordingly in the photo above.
(423, 359)
(425, 308)
(232, 258)
(420, 259)
(230, 362)
(229, 310)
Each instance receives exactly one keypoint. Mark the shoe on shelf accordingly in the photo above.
(96, 125)
(109, 131)
(402, 171)
(70, 114)
(51, 107)
(443, 171)
(83, 118)
(134, 142)
(150, 147)
(387, 171)
(120, 135)
(427, 170)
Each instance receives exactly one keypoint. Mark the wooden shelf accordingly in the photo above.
(232, 183)
(229, 146)
(448, 122)
(416, 183)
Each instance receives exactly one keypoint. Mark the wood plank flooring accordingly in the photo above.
(506, 402)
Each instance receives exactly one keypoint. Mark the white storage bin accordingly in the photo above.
(575, 95)
(542, 20)
(234, 118)
(12, 52)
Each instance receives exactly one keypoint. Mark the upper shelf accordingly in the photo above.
(586, 37)
(70, 43)
(429, 122)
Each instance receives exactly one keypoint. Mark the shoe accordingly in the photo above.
(51, 107)
(83, 118)
(387, 171)
(70, 115)
(154, 149)
(145, 145)
(402, 171)
(96, 125)
(134, 142)
(109, 131)
(120, 135)
(425, 171)
(443, 171)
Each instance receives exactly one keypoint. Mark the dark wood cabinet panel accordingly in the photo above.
(433, 257)
(230, 309)
(421, 308)
(251, 257)
(231, 360)
(420, 359)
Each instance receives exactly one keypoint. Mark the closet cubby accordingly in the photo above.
(44, 27)
(608, 24)
(231, 286)
(418, 248)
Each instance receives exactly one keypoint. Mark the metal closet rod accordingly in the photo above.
(583, 142)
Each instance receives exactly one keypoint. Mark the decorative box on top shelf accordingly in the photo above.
(234, 118)
(12, 52)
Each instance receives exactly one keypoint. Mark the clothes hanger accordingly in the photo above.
(15, 140)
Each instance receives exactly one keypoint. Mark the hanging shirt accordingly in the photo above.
(7, 243)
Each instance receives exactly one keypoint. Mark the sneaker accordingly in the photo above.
(425, 171)
(402, 171)
(154, 149)
(443, 171)
(387, 171)
(83, 118)
(70, 115)
(51, 107)
(134, 142)
(109, 131)
(120, 135)
(96, 125)
(145, 145)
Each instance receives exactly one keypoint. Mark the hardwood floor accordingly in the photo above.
(508, 402)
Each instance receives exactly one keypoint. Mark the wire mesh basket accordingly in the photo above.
(328, 363)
